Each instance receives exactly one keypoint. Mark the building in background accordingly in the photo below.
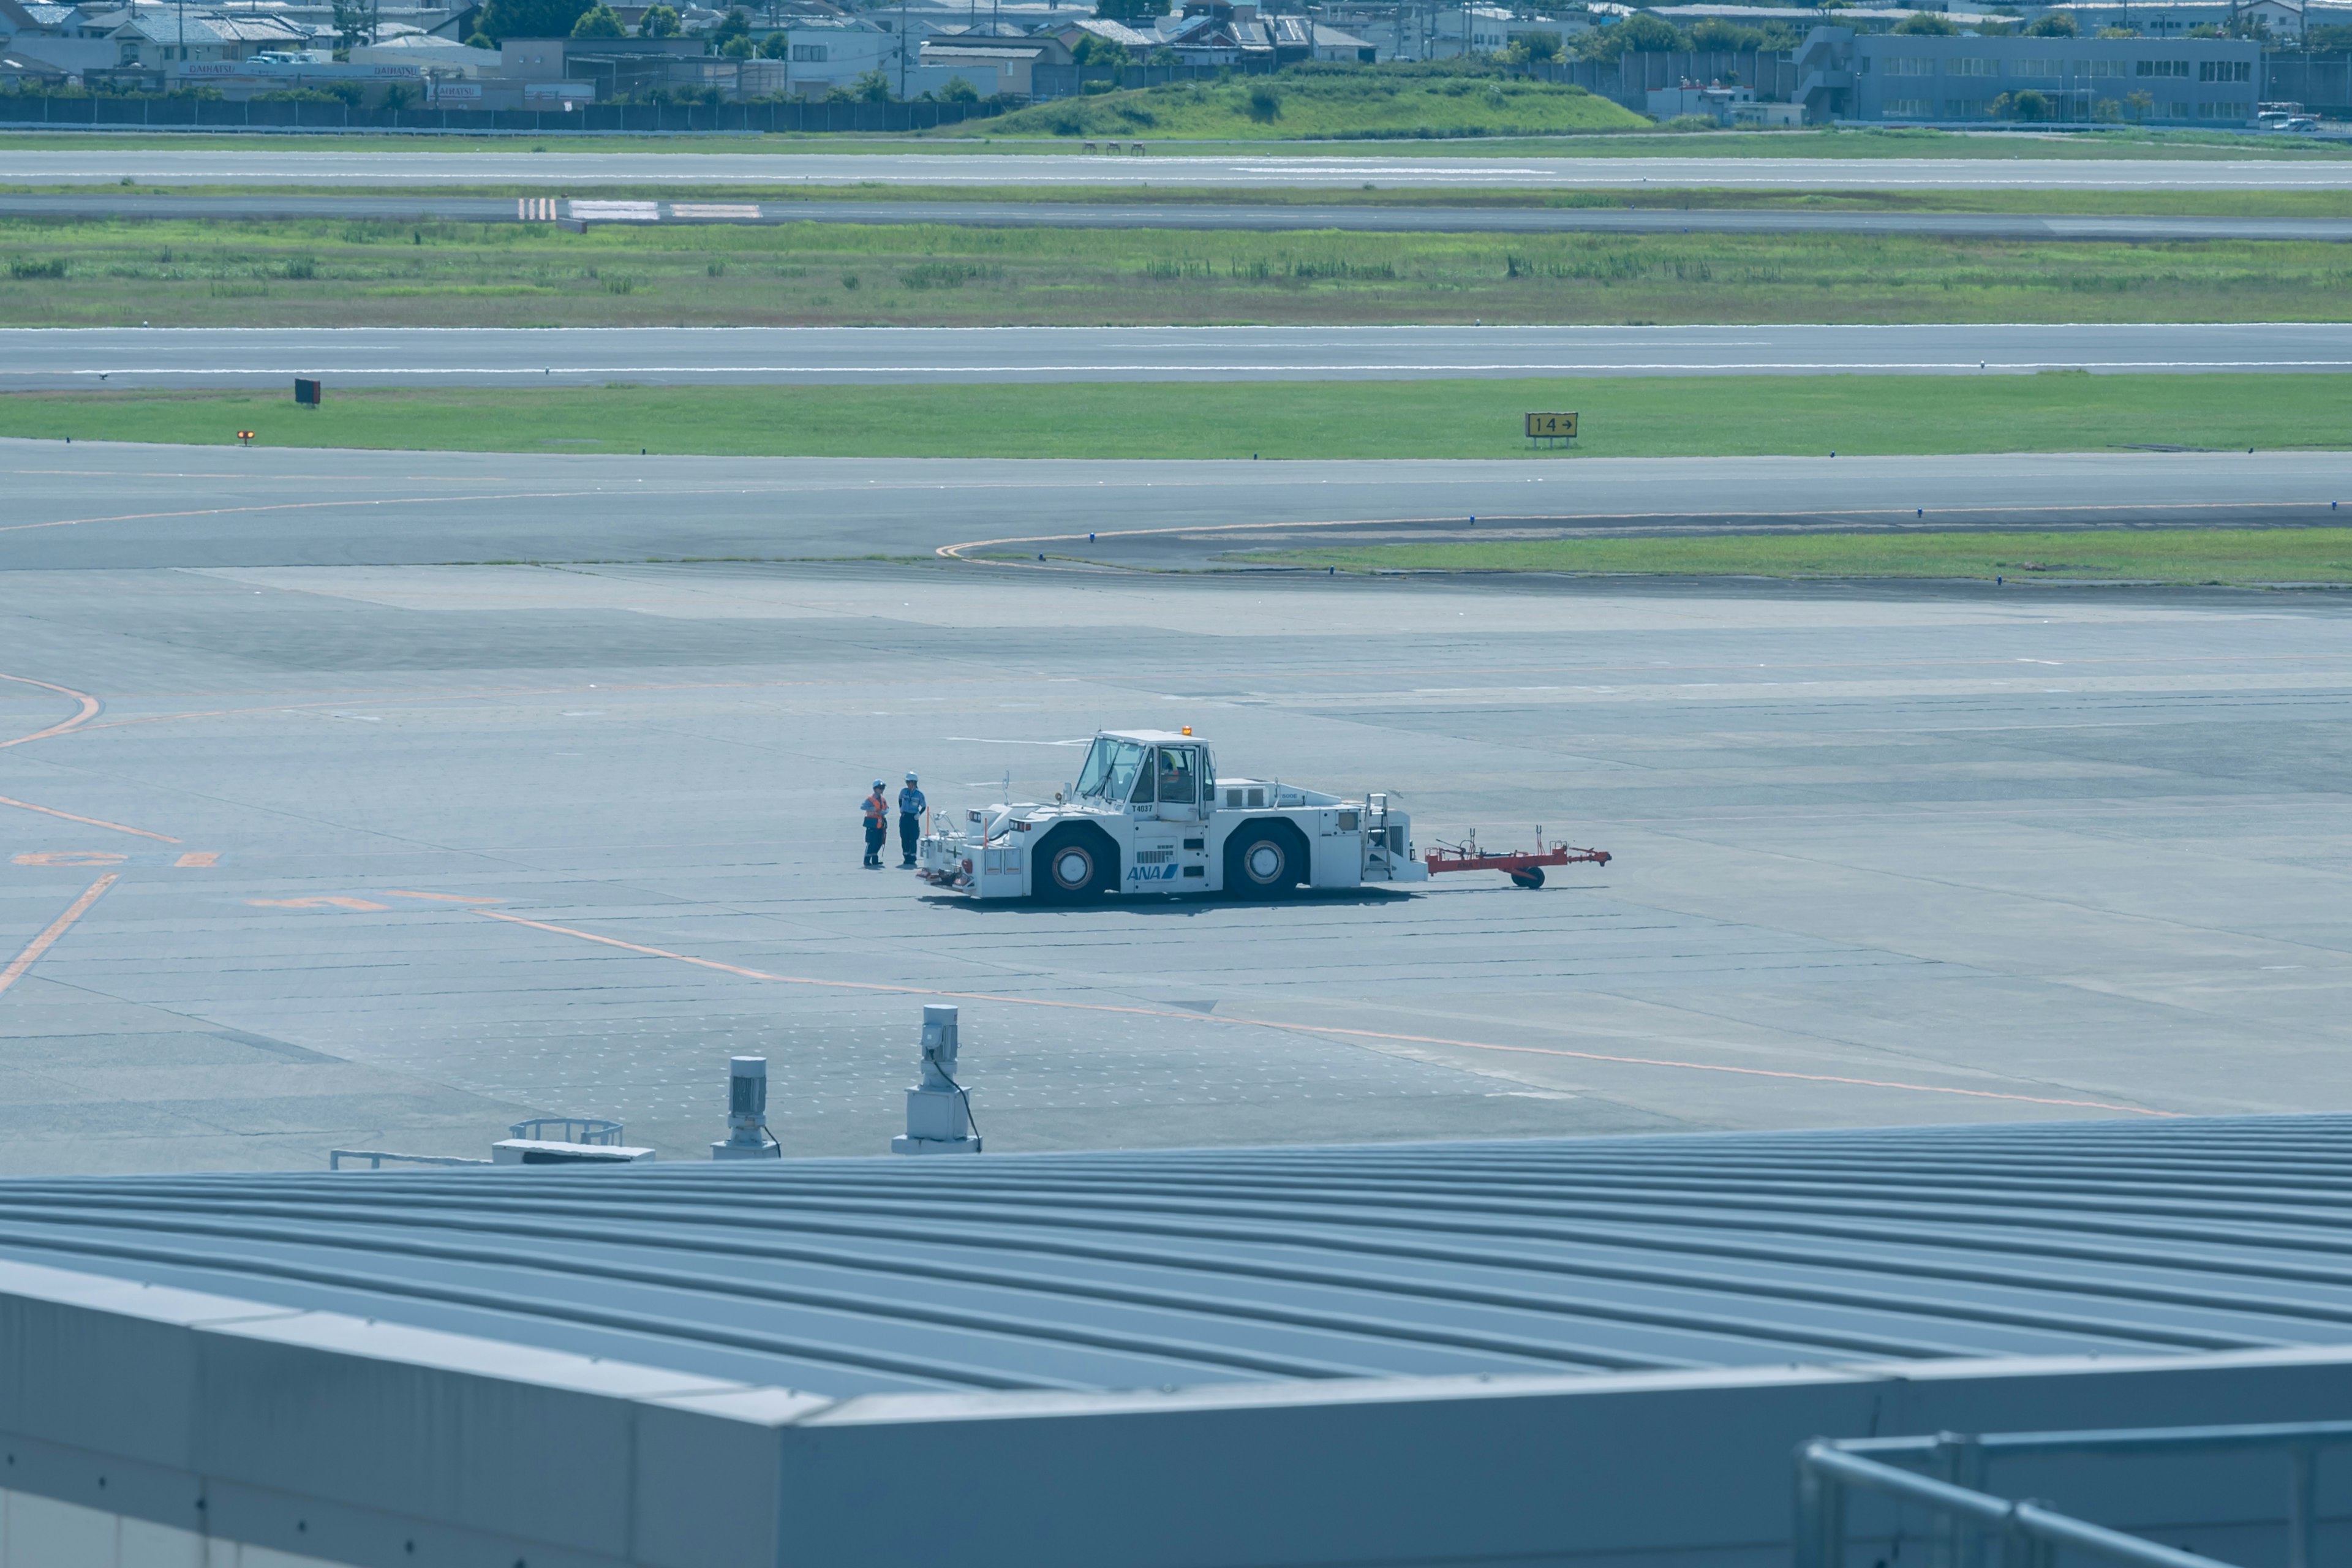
(1925, 79)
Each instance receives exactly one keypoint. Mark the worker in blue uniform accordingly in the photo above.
(876, 811)
(910, 822)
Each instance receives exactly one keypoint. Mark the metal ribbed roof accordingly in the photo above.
(1139, 1270)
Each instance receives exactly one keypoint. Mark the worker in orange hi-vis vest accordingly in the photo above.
(878, 824)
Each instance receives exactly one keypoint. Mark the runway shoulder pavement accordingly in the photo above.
(63, 358)
(1197, 217)
(1275, 167)
(100, 505)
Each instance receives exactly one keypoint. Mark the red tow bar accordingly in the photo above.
(1526, 865)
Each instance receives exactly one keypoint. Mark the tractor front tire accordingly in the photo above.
(1072, 865)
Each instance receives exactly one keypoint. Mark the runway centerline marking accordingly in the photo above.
(1325, 1029)
(57, 928)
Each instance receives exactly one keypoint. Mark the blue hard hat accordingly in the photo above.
(910, 778)
(877, 784)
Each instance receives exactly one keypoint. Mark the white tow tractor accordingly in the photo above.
(1150, 814)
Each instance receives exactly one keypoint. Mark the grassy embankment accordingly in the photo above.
(2252, 556)
(1699, 417)
(1875, 142)
(67, 273)
(1338, 104)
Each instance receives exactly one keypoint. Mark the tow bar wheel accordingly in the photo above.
(1530, 877)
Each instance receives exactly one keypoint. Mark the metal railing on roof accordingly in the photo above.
(376, 1157)
(2029, 1534)
(568, 1130)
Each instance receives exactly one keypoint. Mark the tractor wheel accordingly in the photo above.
(1264, 862)
(1071, 867)
(1532, 877)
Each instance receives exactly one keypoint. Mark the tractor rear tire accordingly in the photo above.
(1267, 860)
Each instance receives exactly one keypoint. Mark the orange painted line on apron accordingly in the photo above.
(87, 821)
(1323, 1028)
(58, 928)
(89, 711)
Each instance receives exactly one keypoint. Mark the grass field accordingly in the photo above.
(1873, 143)
(1698, 416)
(2249, 556)
(1350, 105)
(63, 273)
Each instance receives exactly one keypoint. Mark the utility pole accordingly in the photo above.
(902, 50)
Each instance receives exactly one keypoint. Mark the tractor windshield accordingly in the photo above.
(1110, 769)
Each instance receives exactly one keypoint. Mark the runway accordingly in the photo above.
(57, 358)
(1356, 166)
(1284, 218)
(92, 505)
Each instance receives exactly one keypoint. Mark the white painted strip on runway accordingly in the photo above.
(1421, 368)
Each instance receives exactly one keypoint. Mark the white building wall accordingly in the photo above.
(43, 1532)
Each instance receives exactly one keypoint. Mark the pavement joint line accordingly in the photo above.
(1325, 1029)
(57, 928)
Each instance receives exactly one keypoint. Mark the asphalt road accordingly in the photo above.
(292, 165)
(95, 505)
(1224, 217)
(37, 358)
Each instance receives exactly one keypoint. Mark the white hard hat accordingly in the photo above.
(910, 778)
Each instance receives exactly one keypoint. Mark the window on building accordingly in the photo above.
(2163, 67)
(2176, 110)
(2110, 68)
(2038, 68)
(808, 51)
(1910, 109)
(1964, 108)
(2225, 110)
(1907, 64)
(2225, 70)
(1971, 65)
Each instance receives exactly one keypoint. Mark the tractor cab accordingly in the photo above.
(1147, 774)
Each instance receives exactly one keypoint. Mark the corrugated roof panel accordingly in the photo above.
(1131, 1269)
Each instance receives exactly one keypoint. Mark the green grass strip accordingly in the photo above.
(2203, 555)
(1667, 416)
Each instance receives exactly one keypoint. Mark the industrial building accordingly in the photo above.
(1587, 1351)
(1930, 79)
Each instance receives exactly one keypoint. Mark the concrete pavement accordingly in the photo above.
(99, 505)
(1223, 216)
(563, 167)
(38, 358)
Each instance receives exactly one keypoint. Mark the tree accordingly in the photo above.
(2142, 103)
(2117, 33)
(1928, 21)
(776, 47)
(959, 90)
(739, 47)
(504, 20)
(1640, 33)
(2025, 105)
(1091, 51)
(2052, 25)
(1265, 104)
(874, 87)
(1717, 34)
(2329, 38)
(658, 22)
(736, 25)
(599, 21)
(1129, 10)
(1533, 49)
(354, 24)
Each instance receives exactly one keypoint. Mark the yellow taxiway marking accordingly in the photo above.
(57, 928)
